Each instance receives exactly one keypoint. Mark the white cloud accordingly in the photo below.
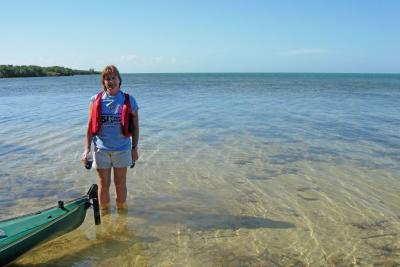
(304, 51)
(150, 63)
(164, 60)
(158, 60)
(173, 60)
(128, 58)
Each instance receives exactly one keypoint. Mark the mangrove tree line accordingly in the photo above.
(9, 71)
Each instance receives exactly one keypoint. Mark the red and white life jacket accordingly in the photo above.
(95, 119)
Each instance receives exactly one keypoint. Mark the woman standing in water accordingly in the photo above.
(113, 126)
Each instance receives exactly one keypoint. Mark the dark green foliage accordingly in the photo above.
(9, 71)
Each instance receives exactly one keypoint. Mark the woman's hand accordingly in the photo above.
(135, 154)
(85, 156)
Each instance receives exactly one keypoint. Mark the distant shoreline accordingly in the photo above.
(25, 71)
(31, 71)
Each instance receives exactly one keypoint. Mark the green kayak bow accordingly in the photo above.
(20, 234)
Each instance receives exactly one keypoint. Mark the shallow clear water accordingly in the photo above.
(234, 169)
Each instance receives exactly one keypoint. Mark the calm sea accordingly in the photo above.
(234, 169)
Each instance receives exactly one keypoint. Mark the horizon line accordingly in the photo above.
(261, 72)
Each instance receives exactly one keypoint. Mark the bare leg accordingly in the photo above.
(120, 186)
(104, 176)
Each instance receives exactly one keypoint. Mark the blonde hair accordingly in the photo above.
(108, 70)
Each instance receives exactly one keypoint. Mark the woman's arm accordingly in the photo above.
(135, 135)
(88, 136)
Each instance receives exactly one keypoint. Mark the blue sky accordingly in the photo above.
(204, 36)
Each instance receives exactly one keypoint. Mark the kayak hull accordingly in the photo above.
(20, 234)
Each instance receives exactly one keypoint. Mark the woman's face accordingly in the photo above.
(111, 83)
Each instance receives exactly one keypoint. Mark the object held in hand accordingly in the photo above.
(89, 160)
(89, 164)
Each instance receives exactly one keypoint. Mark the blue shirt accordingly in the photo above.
(110, 136)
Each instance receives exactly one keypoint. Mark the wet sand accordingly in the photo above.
(239, 209)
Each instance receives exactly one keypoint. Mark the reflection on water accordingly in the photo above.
(234, 170)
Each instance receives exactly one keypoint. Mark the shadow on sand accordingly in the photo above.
(208, 221)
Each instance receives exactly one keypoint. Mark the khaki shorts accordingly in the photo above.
(104, 159)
